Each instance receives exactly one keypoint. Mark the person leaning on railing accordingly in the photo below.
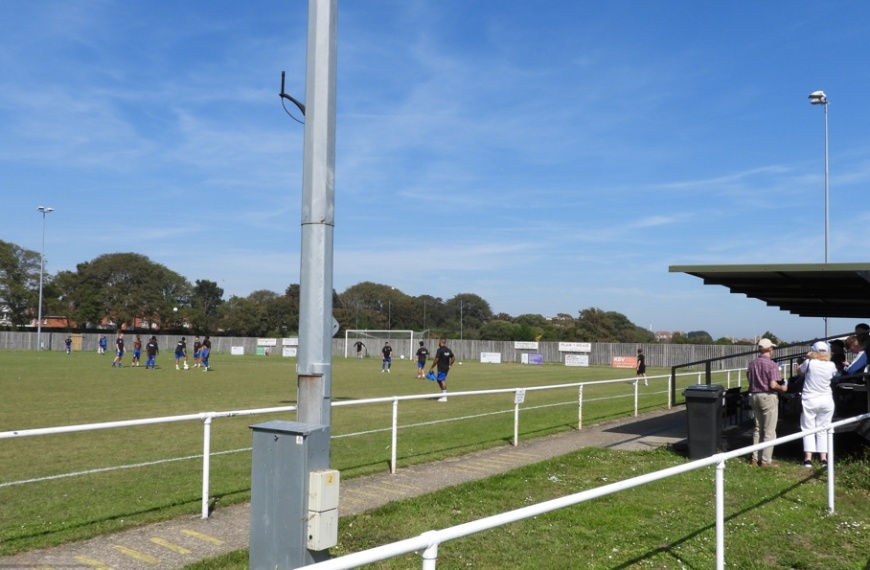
(817, 401)
(765, 385)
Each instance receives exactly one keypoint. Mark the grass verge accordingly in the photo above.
(774, 519)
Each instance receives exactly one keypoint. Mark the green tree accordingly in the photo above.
(470, 313)
(499, 330)
(123, 287)
(699, 337)
(205, 299)
(773, 338)
(19, 282)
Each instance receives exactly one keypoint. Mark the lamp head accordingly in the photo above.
(44, 209)
(818, 98)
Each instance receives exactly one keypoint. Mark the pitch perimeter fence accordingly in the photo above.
(207, 418)
(600, 354)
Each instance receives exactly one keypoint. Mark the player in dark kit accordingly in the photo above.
(137, 351)
(444, 359)
(387, 362)
(151, 350)
(422, 355)
(119, 350)
(206, 350)
(181, 353)
(197, 350)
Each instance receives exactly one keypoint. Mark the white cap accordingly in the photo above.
(765, 343)
(821, 346)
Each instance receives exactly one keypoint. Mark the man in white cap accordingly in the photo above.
(765, 383)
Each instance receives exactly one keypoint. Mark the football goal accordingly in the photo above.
(363, 343)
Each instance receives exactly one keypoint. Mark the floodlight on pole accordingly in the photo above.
(819, 98)
(45, 210)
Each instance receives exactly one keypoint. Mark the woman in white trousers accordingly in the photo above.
(817, 401)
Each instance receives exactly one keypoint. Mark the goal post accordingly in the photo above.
(373, 340)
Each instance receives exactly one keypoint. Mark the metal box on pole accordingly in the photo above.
(290, 465)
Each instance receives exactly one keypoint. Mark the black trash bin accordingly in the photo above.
(704, 409)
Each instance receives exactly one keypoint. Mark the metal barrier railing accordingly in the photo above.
(429, 541)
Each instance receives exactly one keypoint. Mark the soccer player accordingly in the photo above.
(137, 351)
(640, 369)
(359, 348)
(103, 344)
(422, 355)
(387, 362)
(68, 344)
(197, 349)
(444, 359)
(206, 350)
(151, 350)
(119, 350)
(181, 353)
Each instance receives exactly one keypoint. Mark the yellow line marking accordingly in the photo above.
(171, 546)
(409, 487)
(394, 491)
(374, 495)
(203, 537)
(93, 563)
(497, 461)
(473, 467)
(353, 500)
(136, 554)
(467, 472)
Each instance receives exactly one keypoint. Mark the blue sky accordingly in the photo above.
(548, 156)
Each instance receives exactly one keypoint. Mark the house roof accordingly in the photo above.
(840, 290)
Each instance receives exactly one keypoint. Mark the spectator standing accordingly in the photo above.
(422, 355)
(817, 401)
(152, 351)
(765, 384)
(387, 362)
(119, 350)
(444, 359)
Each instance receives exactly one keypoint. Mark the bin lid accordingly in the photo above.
(703, 390)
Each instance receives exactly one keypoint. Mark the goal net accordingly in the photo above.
(362, 343)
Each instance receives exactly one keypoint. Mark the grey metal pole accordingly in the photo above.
(44, 211)
(318, 216)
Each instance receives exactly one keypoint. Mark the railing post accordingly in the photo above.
(430, 554)
(830, 435)
(636, 390)
(720, 515)
(206, 463)
(395, 435)
(580, 408)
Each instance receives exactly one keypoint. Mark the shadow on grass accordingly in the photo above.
(120, 521)
(669, 550)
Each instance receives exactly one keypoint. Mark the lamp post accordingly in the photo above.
(819, 98)
(44, 211)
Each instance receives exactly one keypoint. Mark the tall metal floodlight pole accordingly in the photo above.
(45, 210)
(819, 98)
(318, 216)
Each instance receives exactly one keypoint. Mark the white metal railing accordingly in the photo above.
(427, 543)
(208, 417)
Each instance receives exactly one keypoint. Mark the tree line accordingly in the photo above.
(128, 290)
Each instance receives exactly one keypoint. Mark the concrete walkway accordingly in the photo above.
(176, 543)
